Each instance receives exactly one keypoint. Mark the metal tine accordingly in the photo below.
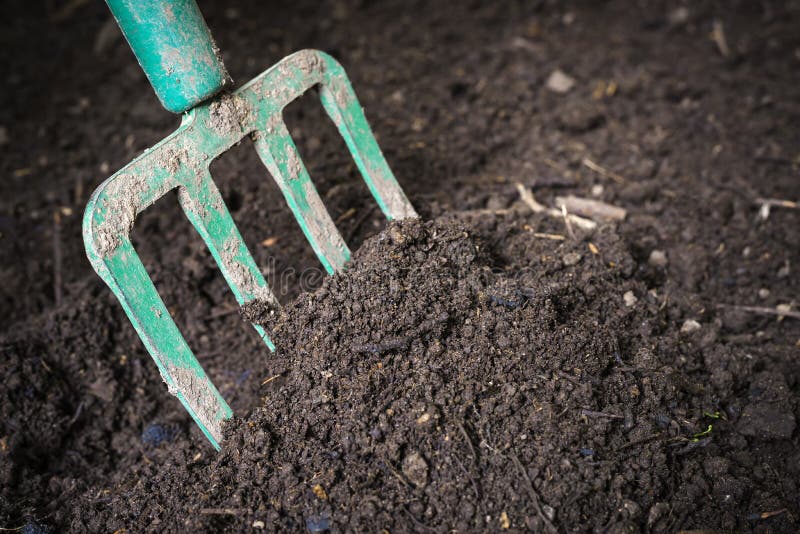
(127, 277)
(279, 154)
(342, 106)
(203, 205)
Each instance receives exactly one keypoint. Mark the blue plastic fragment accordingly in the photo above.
(318, 522)
(34, 527)
(242, 377)
(156, 434)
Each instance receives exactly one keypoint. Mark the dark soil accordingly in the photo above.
(468, 372)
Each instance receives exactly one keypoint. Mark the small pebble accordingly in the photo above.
(397, 236)
(415, 468)
(679, 15)
(571, 258)
(597, 190)
(560, 82)
(549, 511)
(505, 523)
(629, 298)
(658, 258)
(258, 524)
(763, 293)
(784, 271)
(690, 327)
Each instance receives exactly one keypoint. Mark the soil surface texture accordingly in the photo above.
(500, 363)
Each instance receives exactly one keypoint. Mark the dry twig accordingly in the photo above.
(594, 209)
(532, 491)
(58, 259)
(602, 171)
(718, 35)
(223, 511)
(270, 379)
(592, 413)
(768, 203)
(780, 310)
(468, 440)
(554, 237)
(568, 224)
(527, 197)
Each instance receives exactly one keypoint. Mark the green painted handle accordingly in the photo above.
(175, 49)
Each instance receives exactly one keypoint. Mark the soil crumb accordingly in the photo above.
(450, 381)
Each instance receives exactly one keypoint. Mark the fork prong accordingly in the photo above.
(204, 206)
(127, 277)
(279, 154)
(340, 102)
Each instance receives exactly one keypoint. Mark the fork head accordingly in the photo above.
(181, 162)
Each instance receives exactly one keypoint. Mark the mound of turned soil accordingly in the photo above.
(449, 380)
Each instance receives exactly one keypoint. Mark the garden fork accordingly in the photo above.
(174, 47)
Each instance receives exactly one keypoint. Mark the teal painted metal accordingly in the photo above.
(175, 49)
(181, 162)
